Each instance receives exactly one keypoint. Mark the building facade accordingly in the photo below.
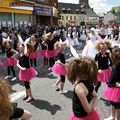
(78, 13)
(111, 17)
(22, 13)
(46, 12)
(71, 14)
(16, 13)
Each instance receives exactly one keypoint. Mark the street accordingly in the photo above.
(48, 104)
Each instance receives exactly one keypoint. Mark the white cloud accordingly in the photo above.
(100, 6)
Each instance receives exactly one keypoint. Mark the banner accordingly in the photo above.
(43, 11)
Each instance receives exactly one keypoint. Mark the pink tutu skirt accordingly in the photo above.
(104, 75)
(11, 61)
(51, 53)
(1, 64)
(43, 53)
(28, 74)
(92, 116)
(59, 69)
(33, 55)
(112, 94)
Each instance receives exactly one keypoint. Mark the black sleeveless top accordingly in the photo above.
(103, 61)
(9, 53)
(115, 76)
(61, 57)
(24, 61)
(77, 106)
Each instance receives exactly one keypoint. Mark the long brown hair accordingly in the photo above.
(82, 68)
(116, 55)
(5, 104)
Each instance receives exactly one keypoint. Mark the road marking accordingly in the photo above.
(17, 95)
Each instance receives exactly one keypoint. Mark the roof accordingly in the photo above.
(90, 13)
(115, 13)
(75, 8)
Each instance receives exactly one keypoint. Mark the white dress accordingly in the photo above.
(70, 39)
(75, 39)
(89, 49)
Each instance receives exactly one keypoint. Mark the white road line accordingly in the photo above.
(17, 95)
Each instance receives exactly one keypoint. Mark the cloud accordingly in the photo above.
(70, 1)
(100, 6)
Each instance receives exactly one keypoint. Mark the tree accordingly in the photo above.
(116, 9)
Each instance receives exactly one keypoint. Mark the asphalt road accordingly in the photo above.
(48, 104)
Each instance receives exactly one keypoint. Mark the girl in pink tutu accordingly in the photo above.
(33, 54)
(112, 93)
(104, 63)
(82, 73)
(26, 71)
(60, 67)
(11, 60)
(43, 52)
(51, 52)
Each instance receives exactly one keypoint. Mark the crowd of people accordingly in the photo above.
(99, 63)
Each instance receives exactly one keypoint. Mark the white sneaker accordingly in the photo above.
(63, 91)
(110, 118)
(13, 79)
(7, 77)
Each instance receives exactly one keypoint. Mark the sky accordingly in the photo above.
(99, 6)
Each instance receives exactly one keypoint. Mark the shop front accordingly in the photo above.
(44, 14)
(16, 13)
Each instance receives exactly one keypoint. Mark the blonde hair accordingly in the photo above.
(30, 47)
(99, 43)
(5, 104)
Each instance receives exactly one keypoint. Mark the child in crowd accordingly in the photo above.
(26, 71)
(82, 73)
(11, 60)
(112, 93)
(7, 110)
(104, 63)
(60, 67)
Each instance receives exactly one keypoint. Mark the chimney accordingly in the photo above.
(85, 3)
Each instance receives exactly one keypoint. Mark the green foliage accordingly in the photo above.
(116, 9)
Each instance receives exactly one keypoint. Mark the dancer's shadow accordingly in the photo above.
(69, 94)
(45, 105)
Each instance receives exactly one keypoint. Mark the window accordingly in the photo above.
(70, 17)
(62, 17)
(66, 17)
(74, 17)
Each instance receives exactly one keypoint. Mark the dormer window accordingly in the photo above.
(77, 11)
(69, 10)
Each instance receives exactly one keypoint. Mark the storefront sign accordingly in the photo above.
(43, 11)
(37, 1)
(21, 3)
